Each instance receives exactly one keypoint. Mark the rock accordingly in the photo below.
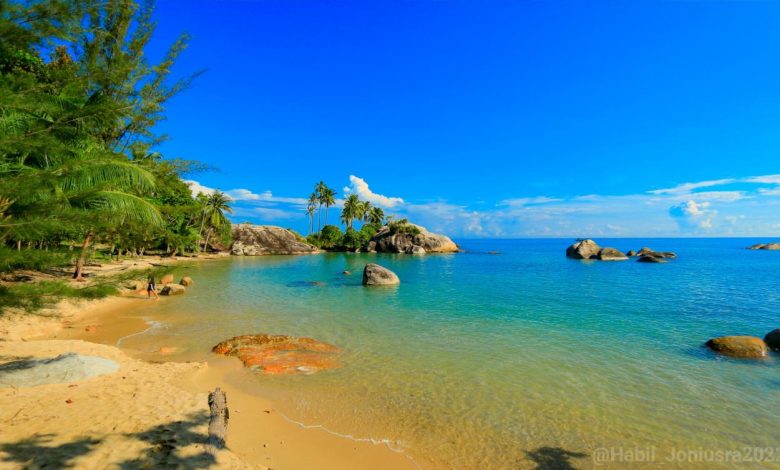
(765, 246)
(280, 354)
(346, 273)
(494, 252)
(739, 346)
(772, 339)
(186, 281)
(257, 240)
(631, 253)
(387, 242)
(583, 249)
(136, 286)
(415, 250)
(173, 289)
(375, 275)
(611, 254)
(167, 279)
(658, 254)
(650, 259)
(65, 368)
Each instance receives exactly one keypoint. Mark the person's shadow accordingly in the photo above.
(553, 458)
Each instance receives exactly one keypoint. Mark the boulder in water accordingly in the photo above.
(772, 339)
(658, 254)
(65, 368)
(376, 275)
(611, 254)
(280, 354)
(765, 246)
(186, 281)
(415, 250)
(401, 238)
(650, 259)
(167, 279)
(739, 346)
(583, 249)
(173, 289)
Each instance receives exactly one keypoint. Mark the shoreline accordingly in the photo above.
(259, 436)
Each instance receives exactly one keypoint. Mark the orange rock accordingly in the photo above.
(739, 346)
(281, 354)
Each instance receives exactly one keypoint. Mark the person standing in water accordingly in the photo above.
(151, 289)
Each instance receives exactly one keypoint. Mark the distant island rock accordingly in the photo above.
(258, 240)
(589, 249)
(765, 246)
(739, 346)
(411, 239)
(376, 275)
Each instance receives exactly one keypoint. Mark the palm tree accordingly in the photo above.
(375, 216)
(328, 199)
(365, 208)
(217, 204)
(351, 210)
(311, 207)
(320, 189)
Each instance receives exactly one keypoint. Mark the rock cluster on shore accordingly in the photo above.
(749, 347)
(387, 241)
(589, 249)
(257, 240)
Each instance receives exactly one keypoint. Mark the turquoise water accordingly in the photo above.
(512, 360)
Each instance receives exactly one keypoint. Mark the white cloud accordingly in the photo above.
(359, 186)
(686, 188)
(197, 188)
(692, 215)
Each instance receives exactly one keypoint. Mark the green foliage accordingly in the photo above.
(330, 237)
(35, 295)
(38, 260)
(402, 226)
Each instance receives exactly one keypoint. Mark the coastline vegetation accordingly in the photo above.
(80, 178)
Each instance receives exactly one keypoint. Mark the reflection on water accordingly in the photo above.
(520, 360)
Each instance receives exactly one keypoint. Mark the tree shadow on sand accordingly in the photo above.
(36, 452)
(164, 449)
(554, 458)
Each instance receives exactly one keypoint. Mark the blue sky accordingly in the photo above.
(485, 119)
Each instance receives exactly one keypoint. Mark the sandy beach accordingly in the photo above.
(149, 414)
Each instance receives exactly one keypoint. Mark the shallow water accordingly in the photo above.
(513, 360)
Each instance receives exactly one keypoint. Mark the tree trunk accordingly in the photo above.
(206, 245)
(217, 422)
(18, 245)
(82, 258)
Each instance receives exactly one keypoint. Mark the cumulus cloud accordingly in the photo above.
(359, 186)
(692, 215)
(197, 188)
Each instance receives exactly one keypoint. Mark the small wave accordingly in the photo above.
(153, 325)
(385, 442)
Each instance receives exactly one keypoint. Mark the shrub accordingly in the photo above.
(402, 226)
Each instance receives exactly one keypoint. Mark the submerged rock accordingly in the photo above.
(65, 368)
(765, 246)
(583, 249)
(280, 354)
(173, 289)
(376, 275)
(611, 254)
(256, 240)
(772, 339)
(739, 346)
(385, 241)
(186, 281)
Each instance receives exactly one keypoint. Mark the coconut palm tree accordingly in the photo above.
(319, 190)
(351, 210)
(311, 208)
(328, 199)
(375, 216)
(217, 204)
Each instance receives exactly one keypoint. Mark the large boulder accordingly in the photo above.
(583, 249)
(765, 246)
(415, 250)
(173, 289)
(186, 281)
(772, 339)
(167, 279)
(280, 354)
(391, 240)
(739, 346)
(256, 240)
(611, 254)
(375, 275)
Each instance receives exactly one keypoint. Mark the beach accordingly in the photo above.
(148, 413)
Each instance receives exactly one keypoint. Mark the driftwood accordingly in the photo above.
(218, 422)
